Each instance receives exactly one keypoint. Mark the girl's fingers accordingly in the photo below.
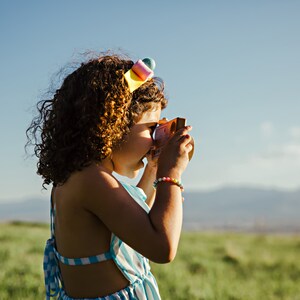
(186, 143)
(183, 132)
(189, 147)
(185, 139)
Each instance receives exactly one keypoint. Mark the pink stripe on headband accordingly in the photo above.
(142, 70)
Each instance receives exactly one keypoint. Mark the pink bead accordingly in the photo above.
(169, 180)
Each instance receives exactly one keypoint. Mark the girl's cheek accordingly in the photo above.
(148, 142)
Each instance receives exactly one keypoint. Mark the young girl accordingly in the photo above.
(103, 231)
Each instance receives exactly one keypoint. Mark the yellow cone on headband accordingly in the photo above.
(140, 72)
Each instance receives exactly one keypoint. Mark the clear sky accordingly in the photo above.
(230, 67)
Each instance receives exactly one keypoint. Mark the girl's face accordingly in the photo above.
(128, 158)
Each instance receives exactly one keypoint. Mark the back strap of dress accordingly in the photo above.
(84, 260)
(52, 275)
(52, 214)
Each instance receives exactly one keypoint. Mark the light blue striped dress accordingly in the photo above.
(133, 265)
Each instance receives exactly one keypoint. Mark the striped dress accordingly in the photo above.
(133, 265)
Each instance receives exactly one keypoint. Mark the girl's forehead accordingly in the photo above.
(151, 116)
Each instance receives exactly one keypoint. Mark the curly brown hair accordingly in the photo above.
(88, 116)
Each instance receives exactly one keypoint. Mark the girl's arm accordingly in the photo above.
(154, 235)
(147, 179)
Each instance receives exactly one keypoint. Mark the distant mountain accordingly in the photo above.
(36, 210)
(243, 208)
(229, 208)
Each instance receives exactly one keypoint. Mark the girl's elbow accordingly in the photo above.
(165, 254)
(170, 257)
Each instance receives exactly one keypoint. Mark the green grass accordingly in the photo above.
(232, 266)
(207, 266)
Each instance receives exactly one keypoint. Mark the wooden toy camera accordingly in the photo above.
(165, 130)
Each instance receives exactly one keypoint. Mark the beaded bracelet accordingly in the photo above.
(168, 179)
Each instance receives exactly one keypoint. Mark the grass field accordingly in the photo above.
(207, 266)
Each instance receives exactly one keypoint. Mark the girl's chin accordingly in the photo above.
(141, 164)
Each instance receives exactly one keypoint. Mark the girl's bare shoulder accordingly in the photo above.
(93, 179)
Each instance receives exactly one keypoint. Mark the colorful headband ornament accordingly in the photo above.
(140, 72)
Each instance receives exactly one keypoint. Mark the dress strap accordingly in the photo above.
(52, 216)
(83, 260)
(52, 275)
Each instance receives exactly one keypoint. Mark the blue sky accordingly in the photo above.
(230, 67)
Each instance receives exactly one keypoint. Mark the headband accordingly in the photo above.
(140, 72)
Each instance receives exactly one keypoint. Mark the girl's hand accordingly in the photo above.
(151, 160)
(174, 156)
